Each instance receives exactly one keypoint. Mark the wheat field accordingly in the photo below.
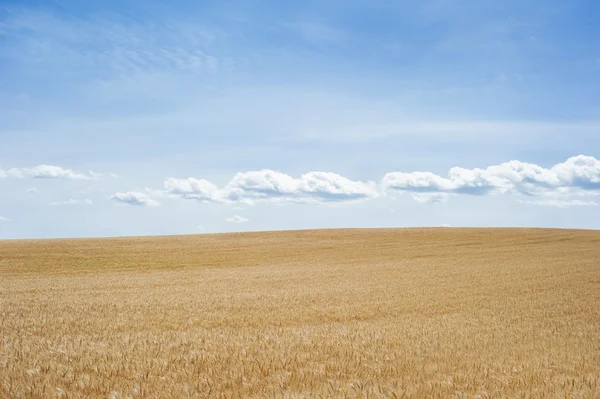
(382, 313)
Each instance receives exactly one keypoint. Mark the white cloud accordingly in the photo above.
(578, 176)
(272, 186)
(192, 189)
(73, 202)
(580, 171)
(576, 173)
(560, 203)
(31, 190)
(4, 220)
(133, 198)
(262, 184)
(44, 172)
(236, 219)
(333, 187)
(312, 187)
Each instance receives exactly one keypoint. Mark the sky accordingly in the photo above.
(150, 118)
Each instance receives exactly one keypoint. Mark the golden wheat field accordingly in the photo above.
(424, 313)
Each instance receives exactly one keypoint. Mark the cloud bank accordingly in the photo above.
(578, 176)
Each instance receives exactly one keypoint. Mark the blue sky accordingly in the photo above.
(142, 117)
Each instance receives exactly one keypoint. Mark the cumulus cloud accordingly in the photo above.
(576, 173)
(133, 198)
(4, 220)
(578, 176)
(73, 202)
(192, 189)
(256, 185)
(44, 172)
(311, 187)
(237, 219)
(271, 186)
(315, 187)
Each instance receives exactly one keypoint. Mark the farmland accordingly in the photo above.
(448, 312)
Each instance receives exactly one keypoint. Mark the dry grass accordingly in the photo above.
(348, 313)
